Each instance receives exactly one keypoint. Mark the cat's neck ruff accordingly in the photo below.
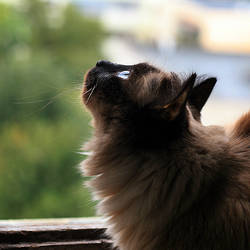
(142, 190)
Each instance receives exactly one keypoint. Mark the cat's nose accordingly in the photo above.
(103, 63)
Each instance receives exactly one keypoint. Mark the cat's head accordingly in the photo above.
(142, 96)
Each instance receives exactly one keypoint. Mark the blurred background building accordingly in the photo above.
(47, 45)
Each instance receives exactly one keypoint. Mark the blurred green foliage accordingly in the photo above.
(44, 51)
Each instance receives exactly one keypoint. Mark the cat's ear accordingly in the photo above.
(200, 93)
(172, 110)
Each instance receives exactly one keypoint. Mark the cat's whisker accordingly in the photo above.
(90, 94)
(87, 91)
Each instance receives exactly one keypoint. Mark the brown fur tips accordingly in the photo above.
(242, 126)
(165, 181)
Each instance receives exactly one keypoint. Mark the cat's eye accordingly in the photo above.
(124, 74)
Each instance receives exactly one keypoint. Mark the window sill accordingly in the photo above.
(72, 233)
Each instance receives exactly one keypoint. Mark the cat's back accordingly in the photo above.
(220, 219)
(239, 152)
(242, 127)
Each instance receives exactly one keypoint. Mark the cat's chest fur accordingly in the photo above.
(145, 196)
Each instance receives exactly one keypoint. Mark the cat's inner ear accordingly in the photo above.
(201, 93)
(172, 110)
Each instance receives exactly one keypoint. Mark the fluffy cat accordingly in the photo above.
(163, 180)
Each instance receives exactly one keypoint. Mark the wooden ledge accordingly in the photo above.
(72, 233)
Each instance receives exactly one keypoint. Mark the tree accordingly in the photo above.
(42, 123)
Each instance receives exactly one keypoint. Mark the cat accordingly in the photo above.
(163, 180)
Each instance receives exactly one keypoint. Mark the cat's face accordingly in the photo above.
(122, 93)
(115, 86)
